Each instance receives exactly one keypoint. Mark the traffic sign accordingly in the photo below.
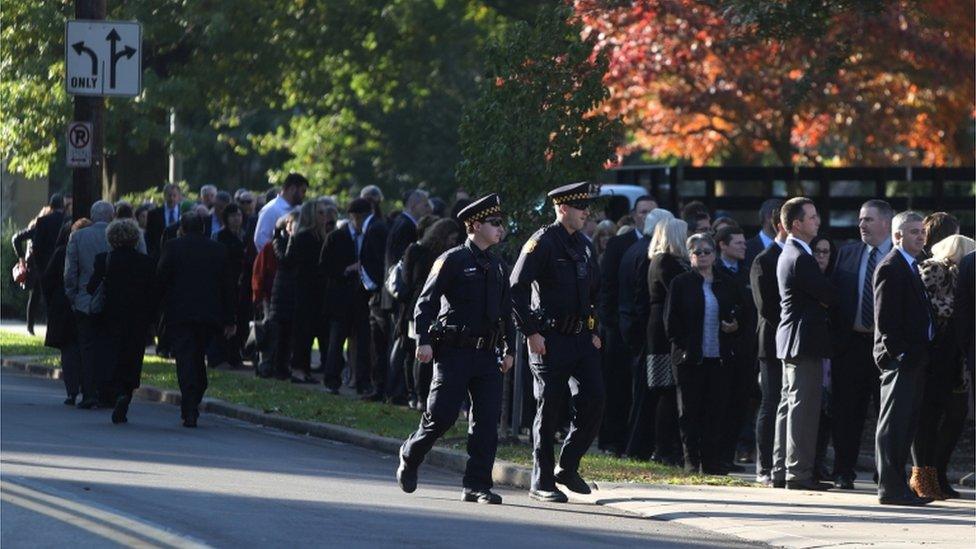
(79, 140)
(103, 57)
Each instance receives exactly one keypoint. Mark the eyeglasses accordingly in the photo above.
(494, 222)
(702, 251)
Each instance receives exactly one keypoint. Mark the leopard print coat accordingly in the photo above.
(939, 278)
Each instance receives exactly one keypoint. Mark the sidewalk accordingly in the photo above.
(795, 519)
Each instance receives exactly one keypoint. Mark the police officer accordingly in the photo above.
(464, 322)
(557, 270)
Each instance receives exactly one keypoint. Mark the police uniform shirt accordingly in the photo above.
(564, 267)
(467, 287)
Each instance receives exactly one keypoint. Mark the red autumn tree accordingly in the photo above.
(891, 86)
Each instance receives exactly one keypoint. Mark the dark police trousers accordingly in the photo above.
(189, 345)
(567, 356)
(458, 372)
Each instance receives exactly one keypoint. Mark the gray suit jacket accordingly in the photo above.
(79, 264)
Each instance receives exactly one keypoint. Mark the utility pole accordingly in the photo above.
(86, 183)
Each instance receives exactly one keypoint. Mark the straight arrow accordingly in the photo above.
(80, 48)
(113, 38)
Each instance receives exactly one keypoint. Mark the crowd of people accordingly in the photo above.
(710, 348)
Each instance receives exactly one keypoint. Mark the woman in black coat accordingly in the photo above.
(654, 413)
(700, 321)
(281, 309)
(126, 277)
(61, 332)
(315, 221)
(418, 259)
(232, 237)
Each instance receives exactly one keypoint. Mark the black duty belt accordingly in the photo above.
(570, 325)
(460, 341)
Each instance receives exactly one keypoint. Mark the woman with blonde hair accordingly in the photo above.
(655, 400)
(605, 230)
(937, 418)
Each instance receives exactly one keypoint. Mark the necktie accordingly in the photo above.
(170, 216)
(493, 295)
(867, 291)
(734, 267)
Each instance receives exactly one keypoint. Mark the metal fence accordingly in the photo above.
(838, 192)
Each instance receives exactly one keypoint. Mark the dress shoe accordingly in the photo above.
(88, 403)
(813, 485)
(551, 496)
(717, 471)
(303, 379)
(398, 401)
(947, 490)
(779, 483)
(190, 418)
(406, 475)
(481, 496)
(121, 409)
(907, 499)
(372, 397)
(730, 467)
(572, 480)
(843, 483)
(70, 401)
(332, 390)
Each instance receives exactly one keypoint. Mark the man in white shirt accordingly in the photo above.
(291, 196)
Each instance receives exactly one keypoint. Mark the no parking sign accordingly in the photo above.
(79, 139)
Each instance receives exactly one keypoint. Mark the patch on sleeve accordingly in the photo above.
(436, 268)
(529, 245)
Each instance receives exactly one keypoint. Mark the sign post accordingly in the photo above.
(102, 58)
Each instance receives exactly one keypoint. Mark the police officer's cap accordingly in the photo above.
(577, 195)
(481, 209)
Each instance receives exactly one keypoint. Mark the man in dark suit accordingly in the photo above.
(371, 247)
(347, 298)
(767, 233)
(403, 232)
(731, 243)
(43, 235)
(771, 418)
(616, 355)
(158, 219)
(854, 377)
(802, 339)
(195, 286)
(903, 330)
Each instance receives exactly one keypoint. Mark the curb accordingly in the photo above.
(504, 473)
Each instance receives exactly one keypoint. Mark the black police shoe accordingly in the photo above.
(406, 476)
(843, 483)
(572, 480)
(88, 403)
(552, 496)
(480, 496)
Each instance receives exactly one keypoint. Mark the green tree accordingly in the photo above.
(214, 63)
(535, 123)
(378, 90)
